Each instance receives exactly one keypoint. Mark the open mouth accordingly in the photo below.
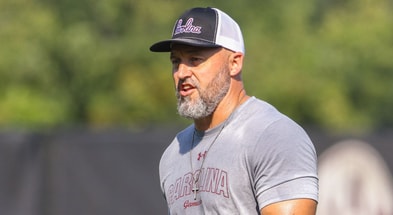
(186, 89)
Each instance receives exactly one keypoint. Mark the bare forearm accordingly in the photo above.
(291, 207)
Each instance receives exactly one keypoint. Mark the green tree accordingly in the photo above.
(72, 62)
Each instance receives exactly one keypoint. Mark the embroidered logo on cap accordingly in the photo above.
(187, 28)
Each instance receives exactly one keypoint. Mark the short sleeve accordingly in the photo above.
(284, 164)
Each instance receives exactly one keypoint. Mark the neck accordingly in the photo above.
(224, 109)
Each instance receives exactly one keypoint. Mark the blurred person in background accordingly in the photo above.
(241, 155)
(354, 180)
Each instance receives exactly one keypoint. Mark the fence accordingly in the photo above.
(98, 172)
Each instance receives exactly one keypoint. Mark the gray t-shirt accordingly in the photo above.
(259, 157)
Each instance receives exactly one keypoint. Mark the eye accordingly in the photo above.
(195, 60)
(175, 62)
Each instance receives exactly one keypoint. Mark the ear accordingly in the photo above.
(236, 63)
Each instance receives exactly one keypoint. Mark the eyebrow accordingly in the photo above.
(173, 55)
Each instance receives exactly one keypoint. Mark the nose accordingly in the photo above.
(183, 71)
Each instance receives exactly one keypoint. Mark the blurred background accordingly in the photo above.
(86, 110)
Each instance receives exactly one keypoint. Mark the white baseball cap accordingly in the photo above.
(204, 27)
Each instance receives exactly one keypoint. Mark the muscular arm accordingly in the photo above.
(291, 207)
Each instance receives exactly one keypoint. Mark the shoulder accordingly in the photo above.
(261, 118)
(179, 145)
(266, 130)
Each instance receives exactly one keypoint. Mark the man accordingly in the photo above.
(240, 156)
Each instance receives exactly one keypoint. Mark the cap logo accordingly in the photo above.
(187, 28)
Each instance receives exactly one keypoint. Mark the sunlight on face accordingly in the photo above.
(208, 99)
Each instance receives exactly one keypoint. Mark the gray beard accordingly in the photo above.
(208, 99)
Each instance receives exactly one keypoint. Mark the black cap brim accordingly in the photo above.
(166, 45)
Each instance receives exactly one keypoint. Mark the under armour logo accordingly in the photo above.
(202, 155)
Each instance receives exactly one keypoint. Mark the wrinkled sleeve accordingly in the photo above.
(284, 164)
